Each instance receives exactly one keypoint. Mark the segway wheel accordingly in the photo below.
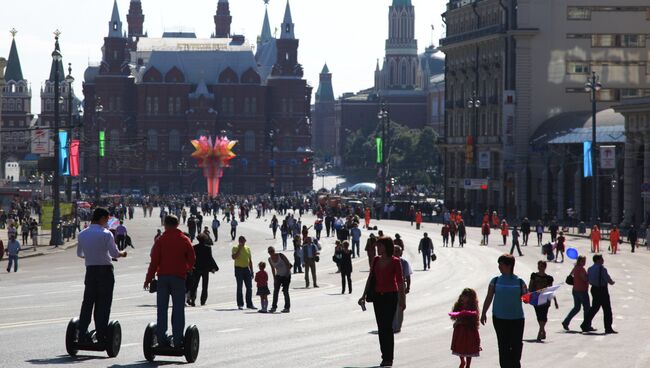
(191, 343)
(149, 341)
(71, 337)
(113, 339)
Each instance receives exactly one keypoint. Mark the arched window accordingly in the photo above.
(174, 141)
(114, 138)
(152, 140)
(19, 105)
(249, 141)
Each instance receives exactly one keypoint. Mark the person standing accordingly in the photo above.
(262, 282)
(366, 218)
(599, 279)
(515, 241)
(371, 249)
(559, 248)
(233, 230)
(462, 233)
(355, 234)
(553, 229)
(507, 314)
(13, 248)
(24, 230)
(215, 227)
(345, 266)
(444, 232)
(204, 265)
(614, 239)
(647, 237)
(120, 235)
(504, 231)
(466, 341)
(452, 231)
(485, 231)
(525, 231)
(387, 289)
(580, 292)
(539, 230)
(310, 256)
(97, 247)
(595, 239)
(398, 319)
(540, 280)
(33, 232)
(329, 219)
(191, 226)
(281, 269)
(274, 225)
(297, 255)
(426, 249)
(241, 254)
(318, 227)
(172, 257)
(632, 237)
(418, 219)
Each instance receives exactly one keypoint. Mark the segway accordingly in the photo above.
(189, 349)
(73, 342)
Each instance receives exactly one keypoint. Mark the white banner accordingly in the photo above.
(474, 184)
(607, 157)
(484, 160)
(40, 141)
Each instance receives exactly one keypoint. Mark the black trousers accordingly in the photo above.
(204, 277)
(346, 276)
(98, 295)
(120, 240)
(515, 243)
(599, 298)
(525, 234)
(281, 282)
(385, 306)
(510, 333)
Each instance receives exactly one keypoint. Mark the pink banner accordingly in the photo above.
(74, 158)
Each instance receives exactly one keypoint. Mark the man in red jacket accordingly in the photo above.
(172, 257)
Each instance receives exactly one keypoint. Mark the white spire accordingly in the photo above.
(115, 25)
(287, 24)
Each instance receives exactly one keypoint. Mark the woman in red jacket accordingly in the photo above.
(504, 231)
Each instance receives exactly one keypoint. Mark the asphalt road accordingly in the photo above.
(324, 328)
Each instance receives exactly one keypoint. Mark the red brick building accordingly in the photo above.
(157, 94)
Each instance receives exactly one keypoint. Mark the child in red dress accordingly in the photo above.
(466, 342)
(262, 280)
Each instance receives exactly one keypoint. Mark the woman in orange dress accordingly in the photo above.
(595, 239)
(614, 237)
(366, 217)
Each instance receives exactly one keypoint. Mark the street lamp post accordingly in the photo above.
(384, 121)
(592, 87)
(98, 110)
(182, 165)
(78, 134)
(272, 134)
(473, 103)
(55, 238)
(68, 185)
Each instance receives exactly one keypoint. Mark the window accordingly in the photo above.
(155, 105)
(607, 94)
(618, 40)
(170, 105)
(178, 105)
(148, 105)
(631, 92)
(152, 140)
(249, 141)
(253, 105)
(578, 67)
(174, 140)
(19, 105)
(578, 13)
(228, 105)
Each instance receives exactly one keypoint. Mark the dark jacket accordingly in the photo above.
(346, 262)
(204, 259)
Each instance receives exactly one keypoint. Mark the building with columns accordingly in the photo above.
(159, 93)
(527, 62)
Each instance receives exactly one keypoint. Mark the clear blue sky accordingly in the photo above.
(348, 34)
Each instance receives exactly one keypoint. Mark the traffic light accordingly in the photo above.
(306, 160)
(102, 143)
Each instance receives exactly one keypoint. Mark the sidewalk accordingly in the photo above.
(27, 250)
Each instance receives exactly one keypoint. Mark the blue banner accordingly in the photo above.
(587, 159)
(64, 159)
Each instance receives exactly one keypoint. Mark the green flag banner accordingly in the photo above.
(380, 150)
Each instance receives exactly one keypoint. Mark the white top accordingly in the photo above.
(97, 246)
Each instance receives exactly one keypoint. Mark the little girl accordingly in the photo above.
(262, 280)
(466, 342)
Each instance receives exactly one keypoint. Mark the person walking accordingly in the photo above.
(204, 265)
(507, 314)
(281, 270)
(599, 280)
(355, 234)
(33, 232)
(310, 256)
(13, 248)
(120, 235)
(540, 280)
(191, 226)
(274, 226)
(614, 239)
(580, 292)
(97, 248)
(444, 232)
(172, 258)
(485, 232)
(398, 319)
(24, 231)
(525, 231)
(466, 341)
(632, 237)
(297, 255)
(371, 249)
(515, 242)
(452, 231)
(504, 231)
(215, 227)
(426, 249)
(385, 286)
(241, 254)
(418, 219)
(345, 266)
(561, 245)
(233, 229)
(539, 230)
(462, 234)
(595, 239)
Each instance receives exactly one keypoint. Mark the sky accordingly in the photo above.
(347, 34)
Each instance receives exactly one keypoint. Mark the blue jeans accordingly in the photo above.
(173, 286)
(355, 244)
(426, 260)
(243, 276)
(580, 299)
(14, 260)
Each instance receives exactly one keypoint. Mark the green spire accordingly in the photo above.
(14, 71)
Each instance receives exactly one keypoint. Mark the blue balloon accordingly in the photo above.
(572, 253)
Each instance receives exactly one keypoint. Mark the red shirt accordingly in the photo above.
(580, 279)
(172, 255)
(389, 277)
(262, 278)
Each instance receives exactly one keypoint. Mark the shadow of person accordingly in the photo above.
(65, 359)
(144, 363)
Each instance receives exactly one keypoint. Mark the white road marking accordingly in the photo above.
(128, 297)
(630, 290)
(581, 355)
(600, 338)
(132, 344)
(628, 276)
(335, 356)
(66, 268)
(230, 330)
(620, 317)
(33, 307)
(304, 319)
(16, 296)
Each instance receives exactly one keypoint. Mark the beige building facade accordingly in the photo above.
(528, 65)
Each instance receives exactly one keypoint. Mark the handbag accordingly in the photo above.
(153, 286)
(569, 280)
(433, 257)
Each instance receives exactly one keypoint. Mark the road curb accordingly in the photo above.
(32, 254)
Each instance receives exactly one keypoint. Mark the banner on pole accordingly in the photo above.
(74, 158)
(586, 148)
(380, 150)
(64, 164)
(607, 157)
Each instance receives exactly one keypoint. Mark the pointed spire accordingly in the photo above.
(266, 28)
(377, 67)
(115, 25)
(57, 64)
(325, 70)
(287, 24)
(325, 92)
(14, 71)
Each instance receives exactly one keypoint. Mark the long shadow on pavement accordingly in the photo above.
(65, 359)
(145, 363)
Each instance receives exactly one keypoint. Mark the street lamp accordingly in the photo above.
(592, 87)
(98, 110)
(182, 165)
(69, 80)
(55, 238)
(272, 135)
(383, 117)
(473, 103)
